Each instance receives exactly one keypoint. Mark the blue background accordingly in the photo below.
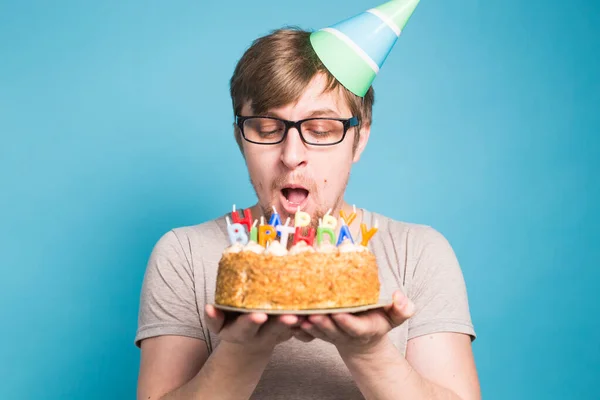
(115, 126)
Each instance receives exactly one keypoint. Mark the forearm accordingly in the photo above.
(384, 374)
(231, 372)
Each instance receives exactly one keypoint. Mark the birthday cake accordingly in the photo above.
(258, 271)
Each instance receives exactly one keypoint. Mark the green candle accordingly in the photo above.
(325, 231)
(254, 232)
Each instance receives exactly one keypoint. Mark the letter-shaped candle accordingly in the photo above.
(237, 233)
(329, 221)
(275, 220)
(284, 232)
(266, 234)
(301, 219)
(350, 218)
(325, 231)
(367, 235)
(254, 232)
(309, 239)
(344, 234)
(247, 220)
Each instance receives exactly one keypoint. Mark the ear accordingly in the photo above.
(363, 138)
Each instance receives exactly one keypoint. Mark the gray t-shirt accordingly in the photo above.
(181, 277)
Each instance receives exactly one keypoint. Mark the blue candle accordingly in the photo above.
(275, 220)
(344, 234)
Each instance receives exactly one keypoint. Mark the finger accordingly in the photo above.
(302, 336)
(278, 325)
(313, 331)
(400, 310)
(258, 318)
(352, 325)
(289, 320)
(326, 325)
(248, 324)
(300, 320)
(214, 318)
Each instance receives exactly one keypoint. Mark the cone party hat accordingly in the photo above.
(355, 49)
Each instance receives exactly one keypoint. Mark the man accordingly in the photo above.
(419, 347)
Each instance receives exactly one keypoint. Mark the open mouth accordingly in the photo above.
(295, 196)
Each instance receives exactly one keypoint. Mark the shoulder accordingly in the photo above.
(206, 231)
(189, 239)
(414, 235)
(419, 250)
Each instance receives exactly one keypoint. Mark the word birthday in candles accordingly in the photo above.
(243, 229)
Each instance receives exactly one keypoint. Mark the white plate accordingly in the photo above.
(381, 303)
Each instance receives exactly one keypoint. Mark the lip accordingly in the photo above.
(287, 206)
(293, 186)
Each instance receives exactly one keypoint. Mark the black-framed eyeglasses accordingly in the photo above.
(313, 131)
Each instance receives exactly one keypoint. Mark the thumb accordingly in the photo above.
(214, 318)
(401, 308)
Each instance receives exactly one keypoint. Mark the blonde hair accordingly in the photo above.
(276, 69)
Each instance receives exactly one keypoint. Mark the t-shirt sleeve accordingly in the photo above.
(437, 288)
(168, 301)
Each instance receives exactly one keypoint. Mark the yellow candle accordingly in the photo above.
(301, 219)
(350, 218)
(329, 222)
(367, 235)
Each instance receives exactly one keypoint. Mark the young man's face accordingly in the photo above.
(293, 174)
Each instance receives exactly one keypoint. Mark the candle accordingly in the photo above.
(325, 230)
(301, 219)
(309, 238)
(247, 220)
(266, 233)
(254, 232)
(350, 218)
(329, 221)
(367, 235)
(284, 232)
(344, 233)
(275, 220)
(237, 233)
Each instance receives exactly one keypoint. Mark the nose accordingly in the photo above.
(294, 151)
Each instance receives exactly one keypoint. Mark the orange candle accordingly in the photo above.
(350, 218)
(367, 234)
(266, 234)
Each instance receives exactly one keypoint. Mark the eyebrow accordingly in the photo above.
(324, 112)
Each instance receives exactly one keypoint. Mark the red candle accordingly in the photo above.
(309, 238)
(247, 220)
